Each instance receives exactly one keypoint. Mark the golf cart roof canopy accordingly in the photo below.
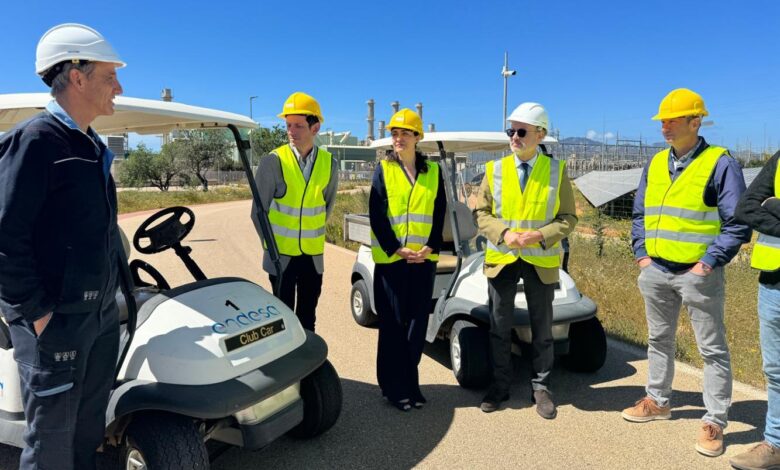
(137, 115)
(459, 142)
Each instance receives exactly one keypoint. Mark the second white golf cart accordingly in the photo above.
(219, 360)
(459, 307)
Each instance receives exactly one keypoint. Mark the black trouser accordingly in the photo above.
(300, 275)
(539, 296)
(402, 296)
(66, 375)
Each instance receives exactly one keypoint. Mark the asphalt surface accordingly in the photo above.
(451, 431)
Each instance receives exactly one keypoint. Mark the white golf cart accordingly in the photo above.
(459, 307)
(219, 359)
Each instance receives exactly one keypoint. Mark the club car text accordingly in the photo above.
(254, 335)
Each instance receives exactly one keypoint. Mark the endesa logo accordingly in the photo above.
(245, 319)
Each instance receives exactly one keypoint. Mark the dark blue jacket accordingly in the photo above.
(59, 240)
(723, 190)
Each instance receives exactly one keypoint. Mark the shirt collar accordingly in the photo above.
(298, 155)
(61, 115)
(530, 162)
(688, 155)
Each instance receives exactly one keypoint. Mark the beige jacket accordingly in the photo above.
(560, 227)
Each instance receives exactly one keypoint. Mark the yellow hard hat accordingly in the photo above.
(681, 102)
(301, 103)
(407, 119)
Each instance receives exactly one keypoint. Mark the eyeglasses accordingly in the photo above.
(520, 132)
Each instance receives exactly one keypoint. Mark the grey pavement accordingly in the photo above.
(451, 432)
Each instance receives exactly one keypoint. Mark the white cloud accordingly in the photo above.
(593, 135)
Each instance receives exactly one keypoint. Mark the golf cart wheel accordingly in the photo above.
(321, 394)
(164, 441)
(587, 346)
(469, 354)
(360, 300)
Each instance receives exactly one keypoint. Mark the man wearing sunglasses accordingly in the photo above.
(525, 207)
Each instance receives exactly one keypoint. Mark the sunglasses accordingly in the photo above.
(520, 132)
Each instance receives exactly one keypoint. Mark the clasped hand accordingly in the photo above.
(522, 239)
(412, 256)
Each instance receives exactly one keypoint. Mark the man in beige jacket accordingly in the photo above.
(525, 207)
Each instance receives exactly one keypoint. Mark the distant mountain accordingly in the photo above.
(580, 141)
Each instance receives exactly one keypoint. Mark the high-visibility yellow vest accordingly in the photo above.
(298, 217)
(409, 208)
(678, 225)
(525, 211)
(766, 252)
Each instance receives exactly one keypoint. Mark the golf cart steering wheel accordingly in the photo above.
(163, 230)
(136, 266)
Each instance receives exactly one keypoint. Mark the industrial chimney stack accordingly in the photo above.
(370, 119)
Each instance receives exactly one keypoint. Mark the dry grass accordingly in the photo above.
(134, 201)
(611, 282)
(351, 203)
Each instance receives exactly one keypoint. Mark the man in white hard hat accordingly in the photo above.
(60, 251)
(525, 207)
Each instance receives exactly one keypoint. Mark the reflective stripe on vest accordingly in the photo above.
(298, 218)
(678, 225)
(525, 211)
(409, 209)
(766, 252)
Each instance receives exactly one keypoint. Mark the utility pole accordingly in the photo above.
(506, 73)
(251, 148)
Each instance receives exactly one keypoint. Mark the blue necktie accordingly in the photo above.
(524, 174)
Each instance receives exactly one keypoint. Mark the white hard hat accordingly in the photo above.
(71, 42)
(531, 113)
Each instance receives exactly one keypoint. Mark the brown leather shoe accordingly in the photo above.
(762, 456)
(709, 442)
(646, 410)
(544, 404)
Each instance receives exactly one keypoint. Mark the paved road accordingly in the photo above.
(451, 432)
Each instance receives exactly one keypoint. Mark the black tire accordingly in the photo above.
(587, 346)
(321, 394)
(165, 441)
(360, 304)
(469, 355)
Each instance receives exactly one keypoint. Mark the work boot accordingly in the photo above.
(709, 442)
(763, 456)
(646, 410)
(492, 400)
(544, 404)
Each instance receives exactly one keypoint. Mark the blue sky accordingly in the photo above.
(597, 66)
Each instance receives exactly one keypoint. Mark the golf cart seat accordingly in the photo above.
(467, 228)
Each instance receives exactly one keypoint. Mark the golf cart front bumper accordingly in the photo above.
(565, 313)
(220, 400)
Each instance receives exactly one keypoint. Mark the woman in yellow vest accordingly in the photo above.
(406, 208)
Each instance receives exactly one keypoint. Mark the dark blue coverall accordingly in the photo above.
(59, 252)
(402, 296)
